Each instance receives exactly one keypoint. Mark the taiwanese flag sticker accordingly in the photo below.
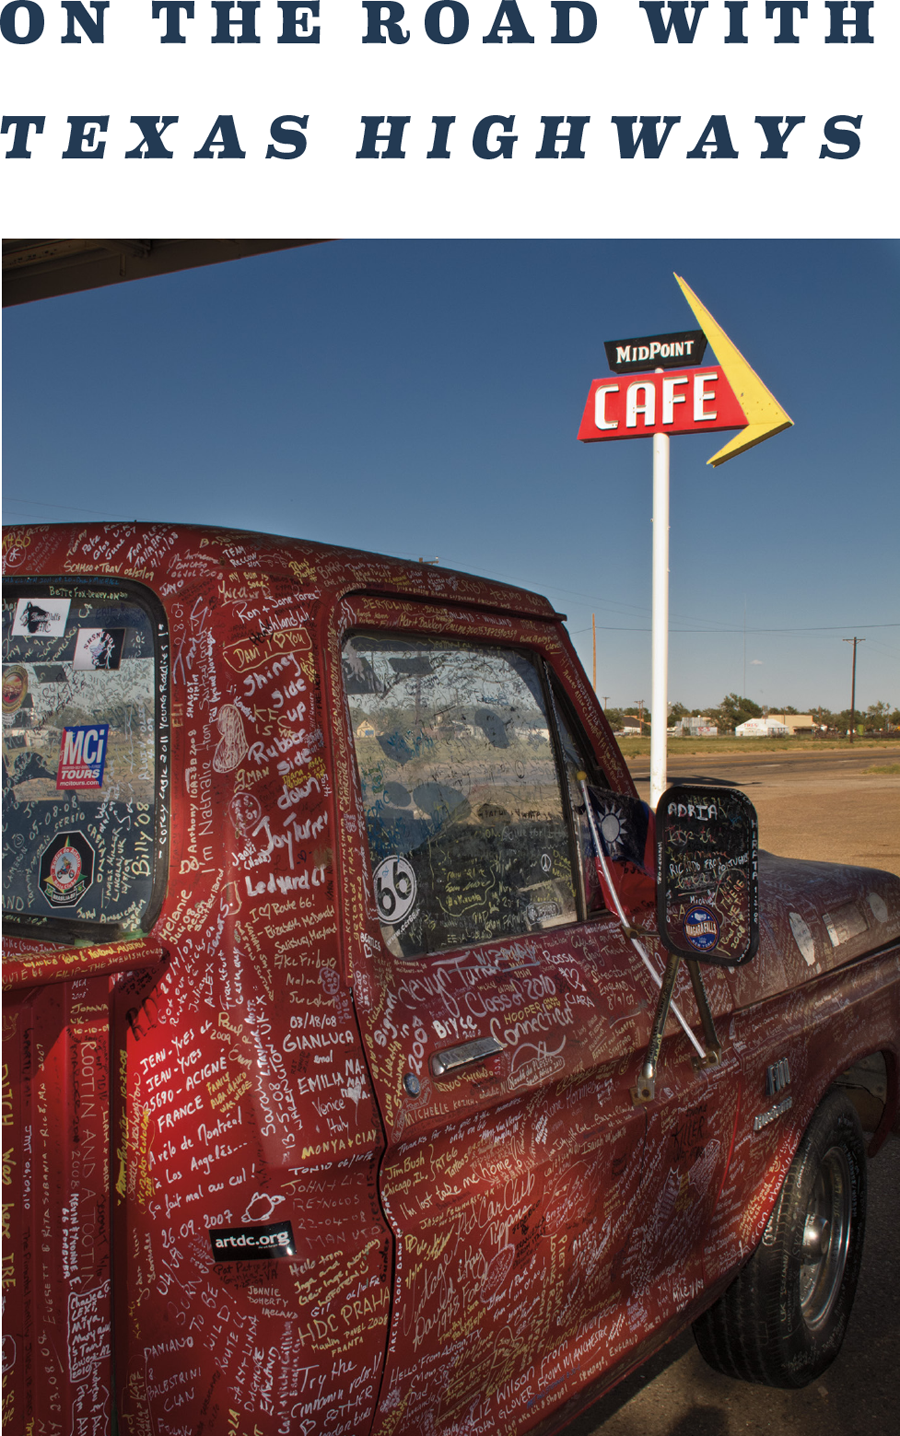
(701, 928)
(67, 869)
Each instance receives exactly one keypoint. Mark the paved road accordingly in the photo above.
(759, 769)
(676, 1393)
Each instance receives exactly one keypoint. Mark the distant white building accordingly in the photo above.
(695, 727)
(762, 728)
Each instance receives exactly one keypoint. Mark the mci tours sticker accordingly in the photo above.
(82, 756)
(252, 1243)
(67, 869)
(40, 617)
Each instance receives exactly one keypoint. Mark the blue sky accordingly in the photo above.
(423, 398)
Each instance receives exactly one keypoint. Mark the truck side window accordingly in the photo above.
(80, 759)
(464, 813)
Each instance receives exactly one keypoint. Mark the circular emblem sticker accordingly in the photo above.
(395, 889)
(701, 928)
(67, 869)
(15, 688)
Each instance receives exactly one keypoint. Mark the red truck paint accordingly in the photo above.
(236, 1199)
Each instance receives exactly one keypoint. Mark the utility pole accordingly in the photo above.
(605, 701)
(744, 689)
(854, 641)
(594, 632)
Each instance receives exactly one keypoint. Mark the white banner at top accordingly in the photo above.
(285, 118)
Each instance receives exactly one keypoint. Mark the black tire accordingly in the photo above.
(783, 1319)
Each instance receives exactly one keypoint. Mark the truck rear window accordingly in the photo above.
(82, 732)
(464, 809)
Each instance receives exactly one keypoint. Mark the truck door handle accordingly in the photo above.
(445, 1063)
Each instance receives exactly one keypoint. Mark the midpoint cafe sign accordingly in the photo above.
(633, 403)
(676, 399)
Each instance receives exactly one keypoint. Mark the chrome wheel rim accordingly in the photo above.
(826, 1239)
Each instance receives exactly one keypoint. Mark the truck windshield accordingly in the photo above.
(79, 759)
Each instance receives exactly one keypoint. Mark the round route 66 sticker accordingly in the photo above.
(395, 889)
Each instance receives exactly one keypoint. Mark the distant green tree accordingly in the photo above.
(876, 717)
(734, 710)
(842, 719)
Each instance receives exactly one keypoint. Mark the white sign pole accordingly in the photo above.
(659, 703)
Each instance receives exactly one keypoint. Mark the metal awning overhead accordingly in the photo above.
(43, 268)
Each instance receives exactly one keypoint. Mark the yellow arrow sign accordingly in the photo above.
(764, 414)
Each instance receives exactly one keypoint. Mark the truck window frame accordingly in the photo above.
(57, 928)
(501, 644)
(591, 904)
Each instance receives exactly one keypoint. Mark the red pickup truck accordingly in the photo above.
(349, 1087)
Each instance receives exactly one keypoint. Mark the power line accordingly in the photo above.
(641, 608)
(818, 628)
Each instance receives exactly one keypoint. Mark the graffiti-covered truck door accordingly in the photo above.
(500, 1047)
(505, 1019)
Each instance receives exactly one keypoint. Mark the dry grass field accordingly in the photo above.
(836, 805)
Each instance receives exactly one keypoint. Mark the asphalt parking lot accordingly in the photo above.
(822, 806)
